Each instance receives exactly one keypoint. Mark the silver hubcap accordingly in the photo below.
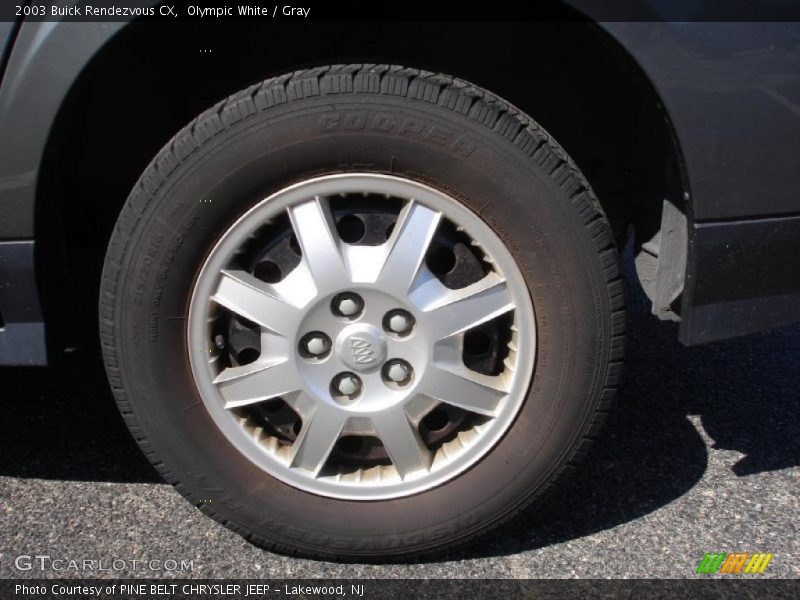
(362, 345)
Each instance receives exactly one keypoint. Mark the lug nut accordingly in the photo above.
(346, 384)
(315, 345)
(347, 304)
(397, 371)
(399, 322)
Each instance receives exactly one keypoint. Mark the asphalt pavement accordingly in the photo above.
(701, 455)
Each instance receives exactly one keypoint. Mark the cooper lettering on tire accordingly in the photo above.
(383, 312)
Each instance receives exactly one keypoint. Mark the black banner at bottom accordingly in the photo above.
(356, 589)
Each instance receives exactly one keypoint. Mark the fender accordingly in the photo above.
(46, 60)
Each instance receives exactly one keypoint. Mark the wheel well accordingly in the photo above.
(151, 79)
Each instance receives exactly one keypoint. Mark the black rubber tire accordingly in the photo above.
(432, 128)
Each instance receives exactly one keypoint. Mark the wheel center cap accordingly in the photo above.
(362, 347)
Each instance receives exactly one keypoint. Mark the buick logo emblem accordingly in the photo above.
(362, 351)
(362, 347)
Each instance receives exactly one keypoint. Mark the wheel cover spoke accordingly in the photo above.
(408, 244)
(464, 388)
(316, 233)
(257, 382)
(317, 437)
(402, 441)
(257, 301)
(449, 312)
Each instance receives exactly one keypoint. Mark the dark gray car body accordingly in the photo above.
(731, 92)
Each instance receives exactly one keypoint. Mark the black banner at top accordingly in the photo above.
(403, 10)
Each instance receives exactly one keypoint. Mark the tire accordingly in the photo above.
(446, 136)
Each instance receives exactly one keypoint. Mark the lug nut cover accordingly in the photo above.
(314, 345)
(397, 371)
(347, 305)
(317, 346)
(347, 384)
(399, 322)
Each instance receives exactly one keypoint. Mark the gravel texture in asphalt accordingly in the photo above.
(701, 454)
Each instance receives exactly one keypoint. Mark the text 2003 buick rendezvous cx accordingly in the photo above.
(364, 311)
